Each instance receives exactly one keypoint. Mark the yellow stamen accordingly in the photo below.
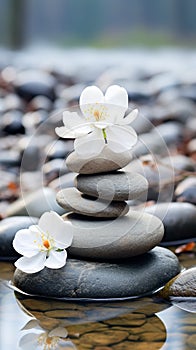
(96, 115)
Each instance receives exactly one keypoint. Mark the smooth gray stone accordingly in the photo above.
(8, 229)
(118, 186)
(186, 190)
(184, 285)
(106, 161)
(64, 181)
(180, 162)
(179, 221)
(171, 132)
(73, 200)
(10, 158)
(32, 83)
(160, 177)
(34, 204)
(58, 149)
(151, 142)
(84, 279)
(124, 237)
(191, 146)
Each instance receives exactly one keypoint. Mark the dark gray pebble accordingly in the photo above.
(85, 279)
(8, 229)
(179, 220)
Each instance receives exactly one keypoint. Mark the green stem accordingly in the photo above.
(104, 136)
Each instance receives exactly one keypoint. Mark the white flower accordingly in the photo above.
(103, 122)
(40, 339)
(43, 244)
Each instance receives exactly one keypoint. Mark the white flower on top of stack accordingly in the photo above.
(103, 122)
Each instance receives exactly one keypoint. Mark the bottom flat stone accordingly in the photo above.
(85, 279)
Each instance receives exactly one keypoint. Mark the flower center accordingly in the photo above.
(46, 243)
(47, 342)
(97, 115)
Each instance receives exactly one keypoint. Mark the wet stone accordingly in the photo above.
(34, 119)
(171, 132)
(31, 158)
(54, 168)
(10, 158)
(191, 341)
(179, 220)
(191, 147)
(73, 200)
(186, 191)
(34, 204)
(117, 186)
(64, 181)
(183, 285)
(30, 84)
(150, 142)
(124, 237)
(85, 279)
(157, 176)
(180, 162)
(58, 149)
(8, 229)
(12, 103)
(106, 161)
(12, 124)
(40, 102)
(108, 337)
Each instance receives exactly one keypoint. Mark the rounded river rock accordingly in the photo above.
(179, 220)
(8, 229)
(85, 279)
(183, 285)
(106, 161)
(124, 237)
(117, 186)
(73, 200)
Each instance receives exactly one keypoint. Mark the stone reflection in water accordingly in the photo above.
(180, 328)
(101, 326)
(33, 336)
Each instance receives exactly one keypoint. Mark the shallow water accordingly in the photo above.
(145, 323)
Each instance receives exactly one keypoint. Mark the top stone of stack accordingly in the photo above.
(106, 161)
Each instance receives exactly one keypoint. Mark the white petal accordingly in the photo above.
(26, 242)
(60, 230)
(78, 131)
(58, 332)
(65, 133)
(117, 95)
(31, 265)
(90, 145)
(91, 95)
(72, 119)
(116, 113)
(130, 117)
(120, 139)
(56, 260)
(33, 323)
(102, 125)
(29, 341)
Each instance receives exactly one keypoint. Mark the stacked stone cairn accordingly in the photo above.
(113, 254)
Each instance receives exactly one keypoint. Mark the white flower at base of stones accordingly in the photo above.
(103, 122)
(43, 244)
